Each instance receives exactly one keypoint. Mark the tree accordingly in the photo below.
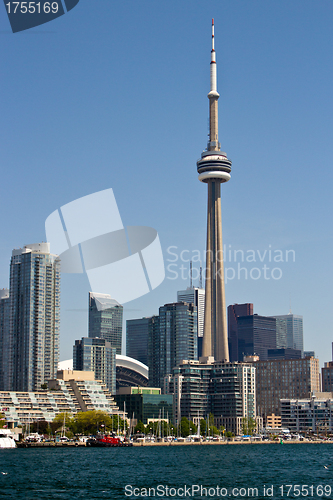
(248, 425)
(2, 421)
(229, 434)
(139, 428)
(62, 421)
(187, 427)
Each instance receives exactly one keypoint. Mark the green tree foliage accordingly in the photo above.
(61, 421)
(159, 428)
(139, 428)
(2, 420)
(248, 426)
(88, 422)
(229, 434)
(187, 427)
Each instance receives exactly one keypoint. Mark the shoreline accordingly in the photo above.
(173, 443)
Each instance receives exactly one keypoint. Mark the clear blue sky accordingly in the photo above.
(114, 94)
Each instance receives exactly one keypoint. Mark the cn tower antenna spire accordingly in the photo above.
(213, 143)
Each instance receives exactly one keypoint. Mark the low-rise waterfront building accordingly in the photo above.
(313, 414)
(145, 403)
(273, 421)
(72, 392)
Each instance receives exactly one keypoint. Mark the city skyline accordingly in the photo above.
(274, 68)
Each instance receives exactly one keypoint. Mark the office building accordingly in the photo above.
(234, 311)
(34, 312)
(281, 333)
(4, 339)
(214, 169)
(106, 319)
(137, 339)
(294, 331)
(227, 390)
(256, 334)
(145, 403)
(96, 355)
(284, 379)
(172, 338)
(196, 296)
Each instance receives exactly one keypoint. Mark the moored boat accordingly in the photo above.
(7, 439)
(107, 441)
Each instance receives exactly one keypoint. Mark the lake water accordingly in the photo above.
(177, 472)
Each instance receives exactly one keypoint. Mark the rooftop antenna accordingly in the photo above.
(290, 305)
(191, 280)
(200, 276)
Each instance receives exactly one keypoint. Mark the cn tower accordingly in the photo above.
(214, 169)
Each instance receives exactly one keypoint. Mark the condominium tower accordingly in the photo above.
(196, 296)
(34, 317)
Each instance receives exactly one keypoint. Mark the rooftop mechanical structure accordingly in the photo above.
(214, 169)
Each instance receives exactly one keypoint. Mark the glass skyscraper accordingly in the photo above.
(172, 338)
(4, 338)
(294, 331)
(106, 319)
(137, 339)
(34, 317)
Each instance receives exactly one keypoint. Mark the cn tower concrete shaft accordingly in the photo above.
(214, 169)
(215, 339)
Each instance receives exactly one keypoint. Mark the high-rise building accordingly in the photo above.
(256, 334)
(34, 315)
(137, 339)
(196, 296)
(234, 311)
(227, 390)
(327, 375)
(4, 339)
(284, 379)
(98, 356)
(172, 337)
(294, 331)
(214, 169)
(106, 319)
(281, 333)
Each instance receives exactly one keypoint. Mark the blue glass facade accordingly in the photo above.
(106, 319)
